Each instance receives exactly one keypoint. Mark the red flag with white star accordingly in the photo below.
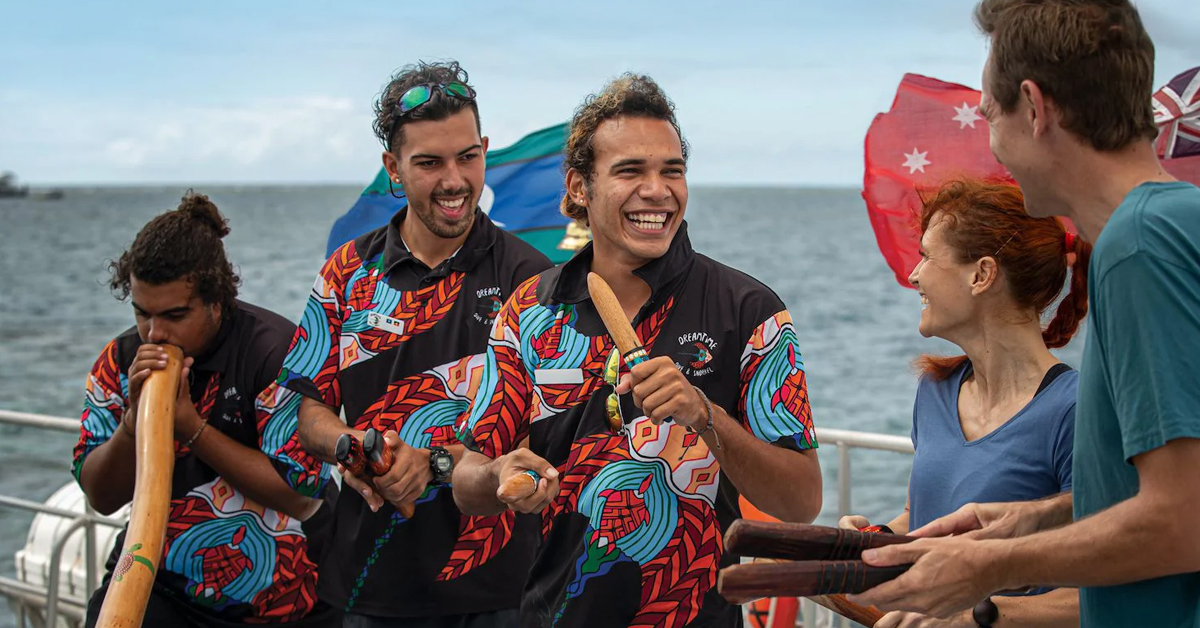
(934, 132)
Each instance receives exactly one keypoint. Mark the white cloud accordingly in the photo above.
(312, 138)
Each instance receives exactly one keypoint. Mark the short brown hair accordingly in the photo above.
(1092, 57)
(627, 95)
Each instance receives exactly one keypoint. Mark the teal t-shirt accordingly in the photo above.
(1139, 383)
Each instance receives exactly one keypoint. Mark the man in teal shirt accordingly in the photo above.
(1066, 92)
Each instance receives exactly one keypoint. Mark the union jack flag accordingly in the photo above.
(1177, 114)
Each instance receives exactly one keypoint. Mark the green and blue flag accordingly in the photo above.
(523, 186)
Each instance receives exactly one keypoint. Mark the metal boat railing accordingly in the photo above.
(46, 604)
(49, 604)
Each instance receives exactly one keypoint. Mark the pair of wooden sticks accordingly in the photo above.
(817, 562)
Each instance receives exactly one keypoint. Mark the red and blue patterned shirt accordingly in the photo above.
(635, 535)
(397, 345)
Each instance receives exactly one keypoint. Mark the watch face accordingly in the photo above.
(444, 463)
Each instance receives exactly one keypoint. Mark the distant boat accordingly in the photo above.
(10, 189)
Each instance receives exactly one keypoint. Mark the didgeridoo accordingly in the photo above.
(129, 590)
(379, 462)
(800, 541)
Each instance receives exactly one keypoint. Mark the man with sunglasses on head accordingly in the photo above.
(394, 336)
(637, 489)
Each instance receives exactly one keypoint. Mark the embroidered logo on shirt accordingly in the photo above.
(696, 351)
(488, 306)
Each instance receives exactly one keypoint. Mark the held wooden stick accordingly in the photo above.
(379, 461)
(865, 615)
(799, 541)
(802, 579)
(615, 322)
(519, 486)
(129, 590)
(613, 315)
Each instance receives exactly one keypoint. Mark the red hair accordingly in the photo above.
(987, 218)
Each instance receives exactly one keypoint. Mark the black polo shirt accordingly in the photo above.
(233, 558)
(400, 346)
(634, 537)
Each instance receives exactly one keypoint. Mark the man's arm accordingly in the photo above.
(108, 474)
(1055, 609)
(251, 472)
(319, 428)
(495, 429)
(106, 455)
(783, 483)
(779, 480)
(1146, 536)
(477, 481)
(1002, 520)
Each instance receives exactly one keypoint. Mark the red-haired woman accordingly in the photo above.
(995, 424)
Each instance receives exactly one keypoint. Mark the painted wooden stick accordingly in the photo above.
(623, 335)
(800, 541)
(379, 461)
(129, 590)
(613, 315)
(802, 578)
(519, 486)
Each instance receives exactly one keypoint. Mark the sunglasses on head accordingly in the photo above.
(419, 95)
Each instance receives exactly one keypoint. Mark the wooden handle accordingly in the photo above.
(799, 541)
(129, 590)
(613, 316)
(519, 486)
(802, 579)
(380, 460)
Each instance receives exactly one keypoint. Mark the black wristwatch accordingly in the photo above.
(441, 463)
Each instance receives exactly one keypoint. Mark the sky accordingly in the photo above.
(268, 91)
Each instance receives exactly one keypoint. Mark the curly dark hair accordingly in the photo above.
(627, 95)
(389, 125)
(182, 243)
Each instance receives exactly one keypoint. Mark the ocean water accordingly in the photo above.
(857, 326)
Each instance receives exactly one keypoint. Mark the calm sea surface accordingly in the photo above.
(815, 248)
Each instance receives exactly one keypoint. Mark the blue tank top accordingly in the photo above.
(1028, 457)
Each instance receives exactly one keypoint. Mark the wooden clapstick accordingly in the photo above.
(802, 578)
(349, 454)
(865, 615)
(618, 326)
(613, 315)
(125, 602)
(379, 461)
(519, 486)
(799, 541)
